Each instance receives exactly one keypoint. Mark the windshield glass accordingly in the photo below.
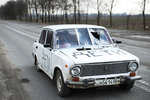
(84, 38)
(67, 38)
(99, 36)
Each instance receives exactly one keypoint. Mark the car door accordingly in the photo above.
(48, 51)
(40, 48)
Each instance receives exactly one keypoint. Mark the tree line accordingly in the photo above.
(64, 11)
(13, 10)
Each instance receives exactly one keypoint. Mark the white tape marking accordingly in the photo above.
(22, 33)
(144, 82)
(143, 85)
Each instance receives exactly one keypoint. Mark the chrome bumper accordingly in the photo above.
(89, 83)
(133, 78)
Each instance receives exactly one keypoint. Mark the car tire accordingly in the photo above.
(62, 89)
(36, 64)
(127, 85)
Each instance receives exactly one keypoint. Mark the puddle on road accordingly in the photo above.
(24, 80)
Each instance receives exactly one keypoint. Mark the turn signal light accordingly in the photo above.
(75, 79)
(66, 66)
(132, 74)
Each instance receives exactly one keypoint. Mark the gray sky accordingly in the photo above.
(122, 6)
(3, 2)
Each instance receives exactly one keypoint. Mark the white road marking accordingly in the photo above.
(22, 33)
(26, 28)
(143, 85)
(144, 82)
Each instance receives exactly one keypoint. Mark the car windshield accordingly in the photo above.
(68, 38)
(99, 36)
(84, 38)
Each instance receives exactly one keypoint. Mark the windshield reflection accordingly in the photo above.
(81, 37)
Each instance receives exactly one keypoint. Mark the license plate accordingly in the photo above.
(105, 82)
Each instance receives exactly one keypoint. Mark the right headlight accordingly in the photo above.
(133, 66)
(75, 71)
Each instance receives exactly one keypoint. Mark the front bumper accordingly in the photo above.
(91, 82)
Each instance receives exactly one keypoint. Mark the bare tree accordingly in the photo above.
(52, 7)
(87, 12)
(64, 6)
(79, 16)
(67, 7)
(143, 14)
(66, 11)
(35, 5)
(75, 10)
(102, 7)
(110, 12)
(99, 2)
(49, 10)
(26, 10)
(52, 4)
(42, 6)
(45, 11)
(29, 2)
(127, 21)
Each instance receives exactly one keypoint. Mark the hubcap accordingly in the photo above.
(59, 83)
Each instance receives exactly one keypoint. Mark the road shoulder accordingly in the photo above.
(10, 86)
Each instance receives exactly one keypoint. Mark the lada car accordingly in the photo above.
(83, 56)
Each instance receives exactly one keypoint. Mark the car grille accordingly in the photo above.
(104, 68)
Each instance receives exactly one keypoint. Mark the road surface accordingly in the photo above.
(18, 38)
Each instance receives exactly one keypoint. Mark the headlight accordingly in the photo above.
(75, 71)
(133, 66)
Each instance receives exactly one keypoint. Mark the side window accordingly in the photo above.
(42, 37)
(49, 38)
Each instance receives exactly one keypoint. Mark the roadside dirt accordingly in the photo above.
(10, 86)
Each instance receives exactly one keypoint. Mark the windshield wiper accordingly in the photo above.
(83, 48)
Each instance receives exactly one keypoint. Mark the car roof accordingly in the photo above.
(67, 26)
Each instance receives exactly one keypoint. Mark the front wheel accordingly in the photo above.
(62, 89)
(36, 64)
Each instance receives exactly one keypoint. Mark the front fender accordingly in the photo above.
(63, 63)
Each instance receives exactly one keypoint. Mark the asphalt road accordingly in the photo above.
(18, 38)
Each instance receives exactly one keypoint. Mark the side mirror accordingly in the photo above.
(116, 41)
(46, 45)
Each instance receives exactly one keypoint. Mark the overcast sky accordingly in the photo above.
(122, 6)
(3, 2)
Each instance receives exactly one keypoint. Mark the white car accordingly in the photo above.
(83, 56)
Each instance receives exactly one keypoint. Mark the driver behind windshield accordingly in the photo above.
(66, 38)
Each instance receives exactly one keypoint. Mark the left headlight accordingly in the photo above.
(75, 71)
(133, 66)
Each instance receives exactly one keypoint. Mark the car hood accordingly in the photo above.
(100, 55)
